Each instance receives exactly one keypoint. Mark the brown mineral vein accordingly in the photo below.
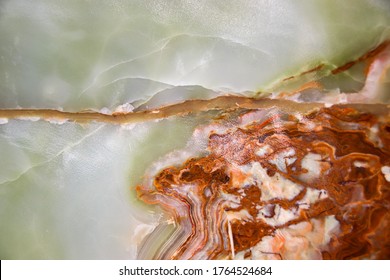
(366, 57)
(190, 106)
(351, 180)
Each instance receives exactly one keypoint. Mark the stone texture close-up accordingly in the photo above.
(233, 130)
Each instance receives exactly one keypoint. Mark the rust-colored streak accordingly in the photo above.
(315, 69)
(305, 86)
(345, 67)
(366, 57)
(288, 78)
(223, 202)
(190, 106)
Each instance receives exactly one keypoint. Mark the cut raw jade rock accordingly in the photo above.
(194, 129)
(81, 55)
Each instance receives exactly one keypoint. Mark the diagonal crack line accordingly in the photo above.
(94, 81)
(69, 147)
(165, 43)
(219, 38)
(137, 78)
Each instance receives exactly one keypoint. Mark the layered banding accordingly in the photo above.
(272, 184)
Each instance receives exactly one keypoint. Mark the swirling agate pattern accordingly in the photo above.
(96, 94)
(282, 185)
